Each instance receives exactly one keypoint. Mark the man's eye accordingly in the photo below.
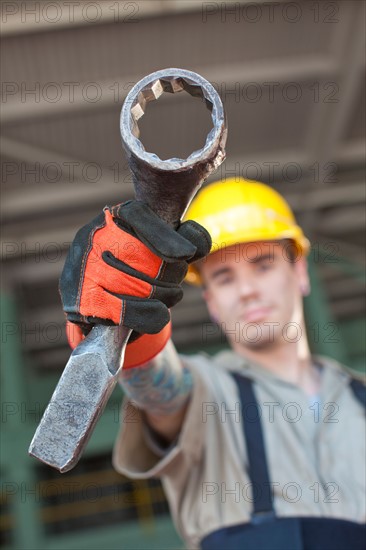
(224, 280)
(264, 266)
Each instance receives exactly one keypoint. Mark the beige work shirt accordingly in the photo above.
(315, 451)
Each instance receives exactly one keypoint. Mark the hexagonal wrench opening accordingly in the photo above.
(171, 85)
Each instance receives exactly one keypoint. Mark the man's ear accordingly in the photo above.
(301, 268)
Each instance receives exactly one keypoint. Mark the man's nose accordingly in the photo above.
(247, 286)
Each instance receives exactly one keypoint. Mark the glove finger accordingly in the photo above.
(168, 293)
(198, 236)
(144, 316)
(158, 235)
(174, 273)
(97, 305)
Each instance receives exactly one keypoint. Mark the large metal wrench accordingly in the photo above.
(167, 186)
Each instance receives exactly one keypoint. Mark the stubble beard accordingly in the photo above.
(256, 337)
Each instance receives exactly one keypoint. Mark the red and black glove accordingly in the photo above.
(126, 267)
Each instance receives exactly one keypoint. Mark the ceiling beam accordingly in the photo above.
(19, 18)
(37, 199)
(343, 221)
(86, 96)
(330, 118)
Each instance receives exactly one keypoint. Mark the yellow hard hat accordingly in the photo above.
(243, 211)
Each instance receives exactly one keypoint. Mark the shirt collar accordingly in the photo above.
(333, 374)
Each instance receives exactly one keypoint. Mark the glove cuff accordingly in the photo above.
(139, 352)
(74, 334)
(145, 348)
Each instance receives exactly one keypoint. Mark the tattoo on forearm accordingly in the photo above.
(162, 386)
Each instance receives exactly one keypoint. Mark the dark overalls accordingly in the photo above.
(266, 531)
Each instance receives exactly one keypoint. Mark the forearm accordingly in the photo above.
(161, 388)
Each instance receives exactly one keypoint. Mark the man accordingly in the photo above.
(261, 446)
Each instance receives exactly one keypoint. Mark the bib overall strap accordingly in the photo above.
(359, 390)
(253, 435)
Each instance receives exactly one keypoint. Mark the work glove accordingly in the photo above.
(126, 268)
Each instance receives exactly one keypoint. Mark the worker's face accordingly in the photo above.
(255, 292)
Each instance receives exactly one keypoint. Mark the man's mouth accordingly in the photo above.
(256, 314)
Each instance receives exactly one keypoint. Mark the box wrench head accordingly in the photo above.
(168, 186)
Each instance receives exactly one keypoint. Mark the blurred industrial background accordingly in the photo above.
(291, 76)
